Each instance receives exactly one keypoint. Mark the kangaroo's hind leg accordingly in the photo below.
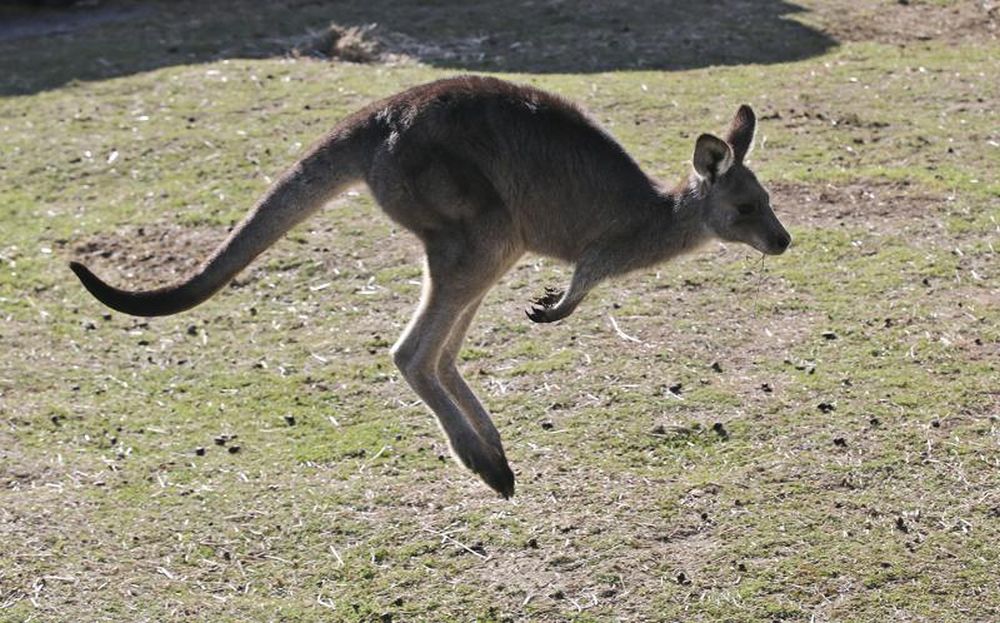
(456, 385)
(461, 267)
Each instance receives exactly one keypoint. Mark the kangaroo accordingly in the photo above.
(483, 171)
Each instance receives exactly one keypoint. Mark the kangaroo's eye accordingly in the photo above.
(746, 208)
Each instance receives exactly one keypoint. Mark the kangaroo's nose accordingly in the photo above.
(781, 242)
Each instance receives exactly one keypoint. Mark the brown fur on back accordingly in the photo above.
(451, 148)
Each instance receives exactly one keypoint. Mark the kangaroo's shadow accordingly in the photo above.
(45, 48)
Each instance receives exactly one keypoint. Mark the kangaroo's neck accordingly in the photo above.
(674, 226)
(690, 209)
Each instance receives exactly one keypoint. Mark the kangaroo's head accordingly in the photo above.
(736, 207)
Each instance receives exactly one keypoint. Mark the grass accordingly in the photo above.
(829, 450)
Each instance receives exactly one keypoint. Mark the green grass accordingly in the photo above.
(736, 497)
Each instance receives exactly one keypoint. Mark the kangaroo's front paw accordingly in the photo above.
(541, 308)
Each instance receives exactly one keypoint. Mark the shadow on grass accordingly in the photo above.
(41, 49)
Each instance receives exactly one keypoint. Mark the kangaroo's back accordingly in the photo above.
(471, 143)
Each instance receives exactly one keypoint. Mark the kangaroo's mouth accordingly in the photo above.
(773, 245)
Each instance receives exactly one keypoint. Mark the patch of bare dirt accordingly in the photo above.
(557, 36)
(614, 30)
(153, 255)
(907, 21)
(879, 207)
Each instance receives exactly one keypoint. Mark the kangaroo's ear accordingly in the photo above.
(712, 157)
(741, 132)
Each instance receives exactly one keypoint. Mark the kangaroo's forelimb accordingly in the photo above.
(593, 268)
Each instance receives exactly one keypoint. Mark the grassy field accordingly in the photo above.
(814, 437)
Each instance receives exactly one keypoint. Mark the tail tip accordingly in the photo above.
(79, 269)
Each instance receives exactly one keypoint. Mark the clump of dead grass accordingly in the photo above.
(354, 44)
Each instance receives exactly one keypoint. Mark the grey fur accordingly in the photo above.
(483, 171)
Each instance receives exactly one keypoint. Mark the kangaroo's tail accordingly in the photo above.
(328, 168)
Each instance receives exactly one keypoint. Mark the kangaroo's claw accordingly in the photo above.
(535, 314)
(550, 298)
(540, 307)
